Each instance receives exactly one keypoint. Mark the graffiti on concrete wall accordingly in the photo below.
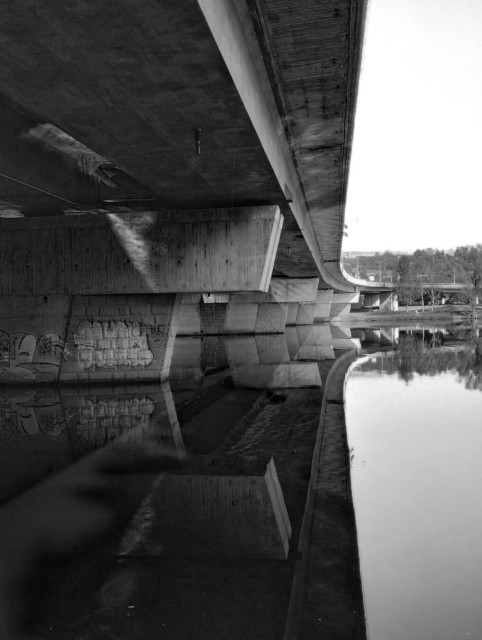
(29, 415)
(112, 344)
(99, 421)
(26, 356)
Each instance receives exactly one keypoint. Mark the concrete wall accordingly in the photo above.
(113, 338)
(120, 338)
(32, 335)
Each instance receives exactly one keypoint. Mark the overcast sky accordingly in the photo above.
(416, 174)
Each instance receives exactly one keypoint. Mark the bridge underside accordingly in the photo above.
(179, 169)
(150, 106)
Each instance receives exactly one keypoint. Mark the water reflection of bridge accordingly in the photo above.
(223, 403)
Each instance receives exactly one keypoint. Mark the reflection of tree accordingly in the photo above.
(410, 354)
(470, 363)
(423, 353)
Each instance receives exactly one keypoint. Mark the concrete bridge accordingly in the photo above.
(197, 147)
(176, 169)
(385, 298)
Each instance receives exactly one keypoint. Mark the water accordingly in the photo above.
(207, 554)
(414, 421)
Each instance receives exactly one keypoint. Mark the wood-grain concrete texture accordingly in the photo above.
(156, 252)
(135, 84)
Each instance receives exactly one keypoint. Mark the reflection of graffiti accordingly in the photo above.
(29, 415)
(24, 355)
(154, 329)
(100, 421)
(110, 344)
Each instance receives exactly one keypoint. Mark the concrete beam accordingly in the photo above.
(232, 30)
(140, 252)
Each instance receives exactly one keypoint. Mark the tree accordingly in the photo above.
(469, 261)
(405, 283)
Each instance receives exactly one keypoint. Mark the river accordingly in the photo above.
(414, 418)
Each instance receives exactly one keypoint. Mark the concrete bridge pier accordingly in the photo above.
(388, 301)
(323, 305)
(372, 299)
(384, 300)
(341, 304)
(287, 301)
(96, 298)
(333, 306)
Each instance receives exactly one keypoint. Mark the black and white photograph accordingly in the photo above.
(240, 320)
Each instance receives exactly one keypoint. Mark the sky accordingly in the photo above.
(416, 176)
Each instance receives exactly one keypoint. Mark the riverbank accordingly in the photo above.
(446, 314)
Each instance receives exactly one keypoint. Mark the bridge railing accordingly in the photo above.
(366, 284)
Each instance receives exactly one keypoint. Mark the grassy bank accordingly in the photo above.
(444, 314)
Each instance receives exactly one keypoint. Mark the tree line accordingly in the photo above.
(415, 276)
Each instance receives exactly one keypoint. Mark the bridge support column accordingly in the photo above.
(341, 304)
(323, 305)
(372, 299)
(250, 312)
(341, 338)
(388, 301)
(310, 343)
